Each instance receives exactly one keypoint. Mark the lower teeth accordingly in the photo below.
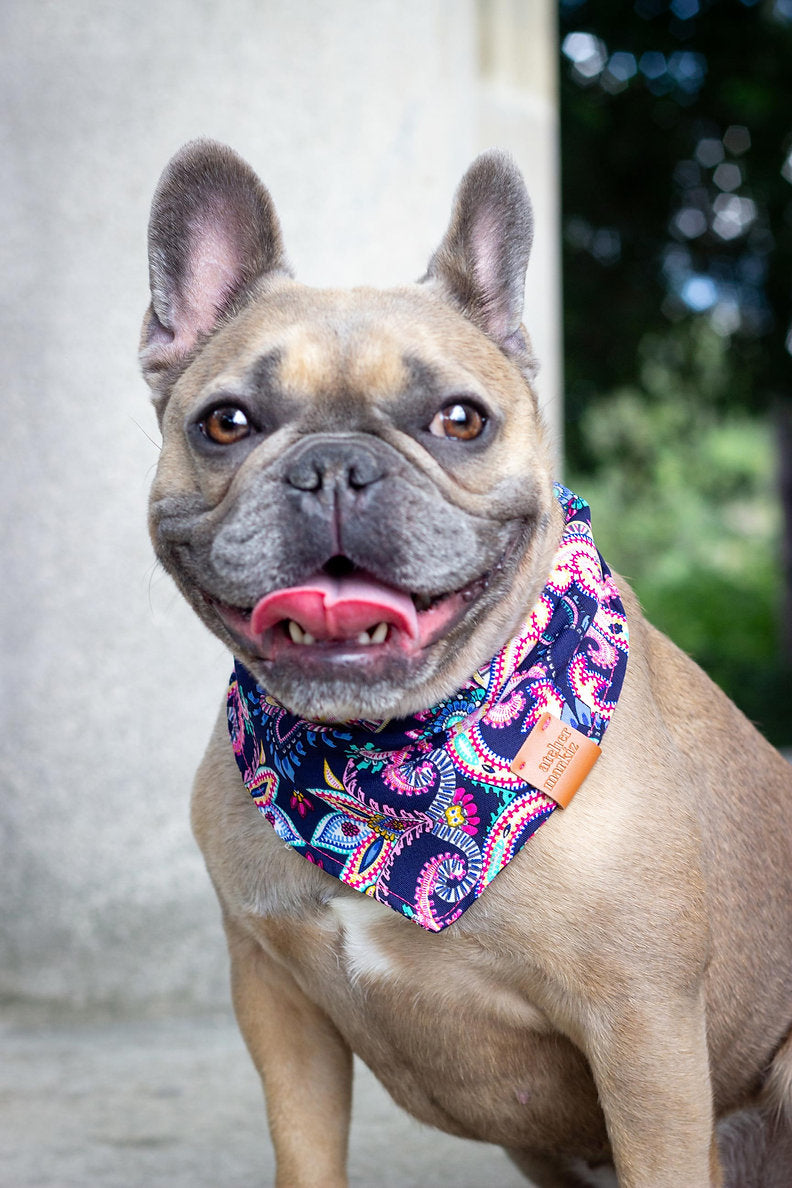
(297, 634)
(377, 635)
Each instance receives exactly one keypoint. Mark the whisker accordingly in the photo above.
(156, 444)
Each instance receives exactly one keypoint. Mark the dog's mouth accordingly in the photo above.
(342, 614)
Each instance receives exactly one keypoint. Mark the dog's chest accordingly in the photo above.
(447, 1031)
(383, 952)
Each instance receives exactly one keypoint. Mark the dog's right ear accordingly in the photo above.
(213, 232)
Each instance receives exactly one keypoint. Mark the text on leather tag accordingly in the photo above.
(555, 758)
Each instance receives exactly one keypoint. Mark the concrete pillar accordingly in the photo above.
(518, 108)
(361, 117)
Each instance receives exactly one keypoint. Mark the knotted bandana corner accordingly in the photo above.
(422, 812)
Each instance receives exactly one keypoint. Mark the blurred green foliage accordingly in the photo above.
(677, 212)
(684, 505)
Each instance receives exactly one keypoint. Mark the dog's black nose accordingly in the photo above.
(319, 465)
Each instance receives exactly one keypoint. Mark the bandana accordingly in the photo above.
(422, 812)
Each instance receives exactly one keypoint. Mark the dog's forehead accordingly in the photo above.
(353, 351)
(369, 342)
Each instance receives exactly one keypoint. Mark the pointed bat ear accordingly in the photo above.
(480, 264)
(213, 232)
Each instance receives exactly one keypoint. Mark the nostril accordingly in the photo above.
(364, 469)
(305, 476)
(359, 477)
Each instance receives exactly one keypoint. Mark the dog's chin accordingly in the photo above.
(391, 670)
(355, 695)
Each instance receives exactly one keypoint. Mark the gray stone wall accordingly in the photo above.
(360, 116)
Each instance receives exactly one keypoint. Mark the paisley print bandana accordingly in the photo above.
(422, 812)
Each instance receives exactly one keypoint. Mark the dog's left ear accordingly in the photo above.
(481, 262)
(213, 233)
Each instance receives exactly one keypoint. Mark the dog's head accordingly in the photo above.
(354, 489)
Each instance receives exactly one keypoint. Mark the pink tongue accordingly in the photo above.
(337, 608)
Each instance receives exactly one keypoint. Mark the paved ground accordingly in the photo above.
(177, 1103)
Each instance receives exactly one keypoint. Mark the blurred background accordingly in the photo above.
(656, 141)
(676, 141)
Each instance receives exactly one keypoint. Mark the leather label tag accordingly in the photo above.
(555, 758)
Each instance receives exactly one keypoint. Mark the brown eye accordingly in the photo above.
(226, 425)
(462, 421)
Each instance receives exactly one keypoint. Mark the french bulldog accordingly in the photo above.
(620, 995)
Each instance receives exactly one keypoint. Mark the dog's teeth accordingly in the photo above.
(296, 632)
(376, 635)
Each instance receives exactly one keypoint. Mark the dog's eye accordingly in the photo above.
(462, 421)
(226, 425)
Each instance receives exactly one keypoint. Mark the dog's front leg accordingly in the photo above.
(304, 1064)
(651, 1066)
